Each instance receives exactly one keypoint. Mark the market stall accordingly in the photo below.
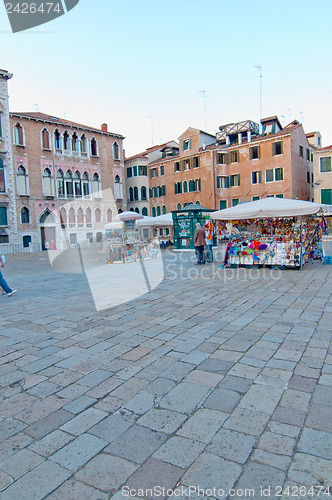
(160, 227)
(271, 231)
(129, 238)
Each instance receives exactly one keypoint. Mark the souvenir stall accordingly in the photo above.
(271, 231)
(185, 220)
(160, 227)
(123, 239)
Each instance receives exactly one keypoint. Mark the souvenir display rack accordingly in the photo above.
(283, 242)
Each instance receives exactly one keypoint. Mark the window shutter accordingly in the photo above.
(227, 182)
(183, 145)
(218, 182)
(259, 176)
(189, 143)
(227, 158)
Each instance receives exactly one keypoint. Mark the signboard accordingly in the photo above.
(129, 225)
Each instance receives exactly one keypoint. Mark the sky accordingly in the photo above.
(140, 66)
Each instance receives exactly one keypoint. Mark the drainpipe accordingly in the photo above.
(214, 179)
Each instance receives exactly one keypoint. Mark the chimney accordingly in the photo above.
(104, 127)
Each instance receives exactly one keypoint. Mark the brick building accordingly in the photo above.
(8, 224)
(65, 173)
(240, 163)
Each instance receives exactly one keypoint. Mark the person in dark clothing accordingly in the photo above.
(199, 242)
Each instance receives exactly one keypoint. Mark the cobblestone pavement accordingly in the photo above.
(217, 379)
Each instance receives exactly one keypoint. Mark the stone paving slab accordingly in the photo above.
(209, 382)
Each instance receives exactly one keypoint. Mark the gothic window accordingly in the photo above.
(22, 181)
(47, 182)
(25, 215)
(45, 139)
(19, 134)
(60, 184)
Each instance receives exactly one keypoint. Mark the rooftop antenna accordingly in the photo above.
(36, 107)
(151, 118)
(259, 67)
(204, 98)
(289, 114)
(301, 115)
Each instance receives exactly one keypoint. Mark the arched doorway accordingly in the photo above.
(47, 223)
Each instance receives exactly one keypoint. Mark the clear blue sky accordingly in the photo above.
(118, 62)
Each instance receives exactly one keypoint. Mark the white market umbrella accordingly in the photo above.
(160, 220)
(267, 207)
(127, 216)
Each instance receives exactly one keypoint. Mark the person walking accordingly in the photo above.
(3, 283)
(199, 242)
(209, 241)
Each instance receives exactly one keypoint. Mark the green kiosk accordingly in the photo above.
(184, 223)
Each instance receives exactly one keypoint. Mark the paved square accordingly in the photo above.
(216, 378)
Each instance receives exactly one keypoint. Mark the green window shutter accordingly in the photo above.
(218, 182)
(325, 164)
(222, 204)
(183, 145)
(3, 216)
(227, 181)
(189, 143)
(326, 196)
(175, 191)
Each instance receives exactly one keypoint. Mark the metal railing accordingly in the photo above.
(14, 248)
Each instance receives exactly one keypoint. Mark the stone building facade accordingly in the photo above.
(67, 175)
(8, 221)
(323, 175)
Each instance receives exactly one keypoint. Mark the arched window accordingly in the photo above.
(88, 218)
(22, 181)
(60, 184)
(197, 184)
(74, 142)
(136, 193)
(83, 145)
(25, 215)
(63, 217)
(72, 218)
(153, 212)
(96, 185)
(19, 134)
(80, 217)
(158, 210)
(47, 182)
(69, 184)
(85, 182)
(77, 184)
(57, 141)
(164, 210)
(137, 210)
(66, 142)
(131, 210)
(116, 151)
(197, 203)
(118, 194)
(144, 211)
(143, 193)
(131, 194)
(45, 139)
(185, 187)
(94, 147)
(178, 206)
(2, 178)
(109, 215)
(97, 215)
(191, 186)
